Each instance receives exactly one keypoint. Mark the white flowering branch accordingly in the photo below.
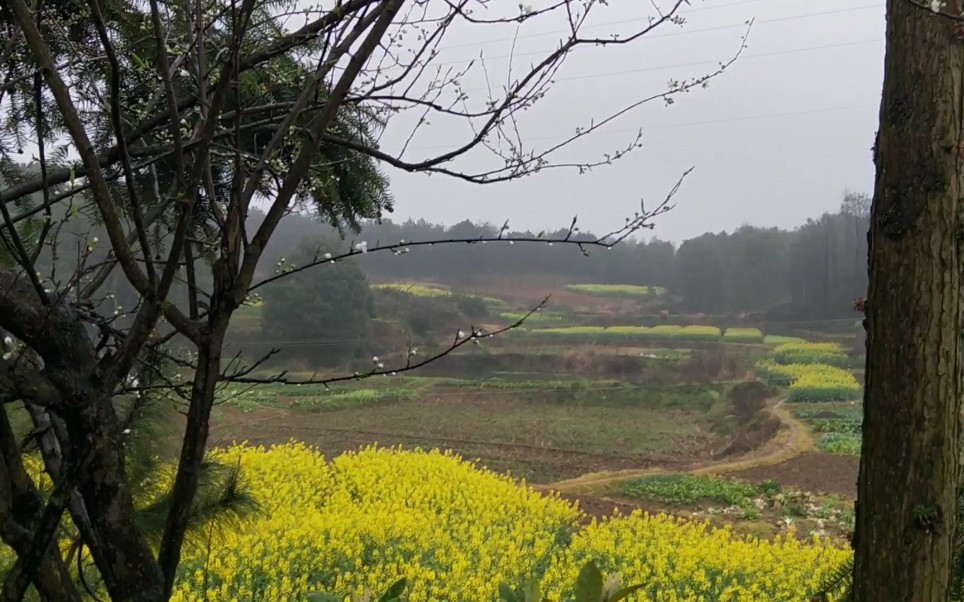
(641, 220)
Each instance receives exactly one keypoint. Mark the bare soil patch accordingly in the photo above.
(816, 472)
(541, 442)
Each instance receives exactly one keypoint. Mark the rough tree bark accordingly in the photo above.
(906, 512)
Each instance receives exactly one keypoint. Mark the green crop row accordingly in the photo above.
(633, 333)
(812, 353)
(840, 443)
(616, 290)
(743, 335)
(535, 317)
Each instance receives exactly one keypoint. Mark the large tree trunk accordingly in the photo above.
(906, 513)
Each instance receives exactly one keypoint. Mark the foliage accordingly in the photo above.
(811, 353)
(684, 489)
(330, 306)
(590, 586)
(811, 382)
(146, 416)
(837, 420)
(839, 443)
(455, 532)
(743, 335)
(616, 290)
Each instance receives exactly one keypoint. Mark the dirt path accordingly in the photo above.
(791, 442)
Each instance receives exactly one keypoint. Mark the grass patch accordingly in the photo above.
(616, 290)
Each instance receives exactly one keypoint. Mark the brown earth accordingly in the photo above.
(820, 473)
(535, 463)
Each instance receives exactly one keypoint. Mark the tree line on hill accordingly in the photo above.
(815, 271)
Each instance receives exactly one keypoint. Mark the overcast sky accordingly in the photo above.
(774, 140)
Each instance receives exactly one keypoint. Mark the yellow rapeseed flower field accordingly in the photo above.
(812, 382)
(455, 532)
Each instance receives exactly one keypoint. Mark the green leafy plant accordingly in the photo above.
(392, 594)
(591, 586)
(690, 489)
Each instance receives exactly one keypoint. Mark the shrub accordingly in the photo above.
(747, 399)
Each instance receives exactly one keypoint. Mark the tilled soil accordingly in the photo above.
(816, 472)
(532, 462)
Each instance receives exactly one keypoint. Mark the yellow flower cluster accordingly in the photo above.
(455, 532)
(812, 382)
(684, 561)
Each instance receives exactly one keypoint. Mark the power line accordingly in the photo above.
(696, 63)
(683, 32)
(620, 22)
(692, 123)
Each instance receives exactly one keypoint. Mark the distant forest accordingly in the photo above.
(815, 271)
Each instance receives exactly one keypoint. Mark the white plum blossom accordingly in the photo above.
(461, 334)
(362, 246)
(7, 341)
(327, 255)
(937, 5)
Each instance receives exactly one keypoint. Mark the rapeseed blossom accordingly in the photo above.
(455, 531)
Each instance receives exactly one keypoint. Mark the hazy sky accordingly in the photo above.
(774, 140)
